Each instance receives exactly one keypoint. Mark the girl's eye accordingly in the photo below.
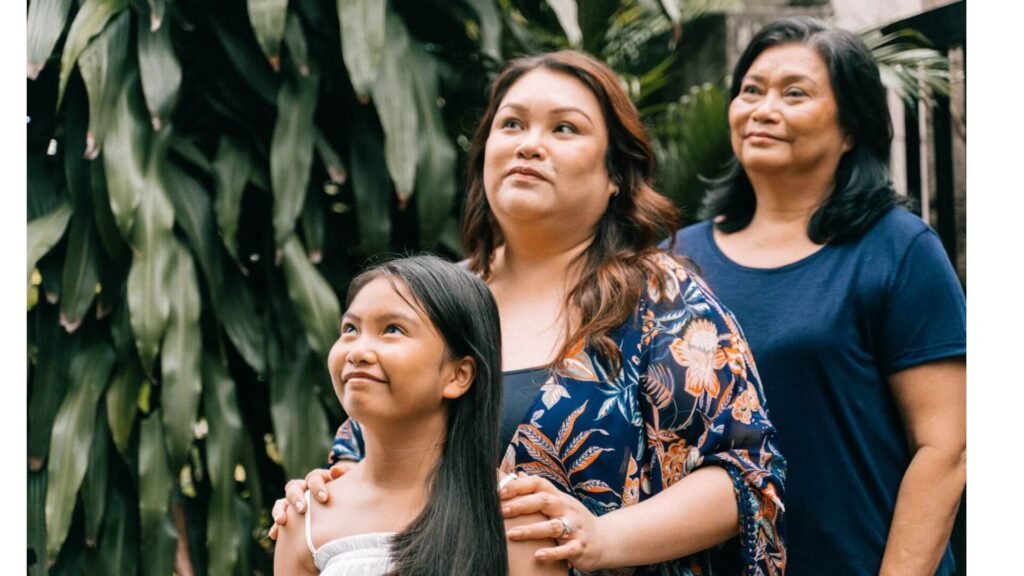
(565, 128)
(393, 329)
(347, 328)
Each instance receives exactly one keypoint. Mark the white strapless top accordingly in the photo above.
(359, 555)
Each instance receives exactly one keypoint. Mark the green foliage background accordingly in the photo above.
(204, 179)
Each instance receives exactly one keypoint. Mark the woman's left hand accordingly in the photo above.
(576, 529)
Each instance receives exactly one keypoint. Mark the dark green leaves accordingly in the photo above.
(89, 21)
(44, 233)
(566, 11)
(159, 536)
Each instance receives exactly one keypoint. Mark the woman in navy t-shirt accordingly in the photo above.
(849, 303)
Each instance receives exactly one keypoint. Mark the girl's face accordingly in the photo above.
(390, 362)
(545, 155)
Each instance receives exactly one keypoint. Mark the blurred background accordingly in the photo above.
(204, 178)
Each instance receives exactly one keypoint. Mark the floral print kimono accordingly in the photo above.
(687, 396)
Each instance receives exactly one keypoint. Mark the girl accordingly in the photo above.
(418, 364)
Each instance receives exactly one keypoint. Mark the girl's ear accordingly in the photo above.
(463, 372)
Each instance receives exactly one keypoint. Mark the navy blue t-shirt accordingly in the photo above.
(825, 332)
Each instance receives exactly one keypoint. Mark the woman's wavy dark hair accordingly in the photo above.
(460, 531)
(863, 189)
(619, 262)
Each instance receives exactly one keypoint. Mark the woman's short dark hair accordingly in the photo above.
(863, 189)
(460, 531)
(619, 262)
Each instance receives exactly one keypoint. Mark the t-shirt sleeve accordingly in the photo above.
(707, 408)
(348, 443)
(925, 313)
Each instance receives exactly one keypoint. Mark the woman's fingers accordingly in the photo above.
(546, 530)
(340, 468)
(524, 484)
(550, 505)
(316, 483)
(570, 551)
(295, 494)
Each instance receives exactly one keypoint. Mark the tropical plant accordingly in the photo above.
(204, 179)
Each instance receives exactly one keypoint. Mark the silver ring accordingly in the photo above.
(567, 528)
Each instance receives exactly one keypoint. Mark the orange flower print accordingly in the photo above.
(698, 350)
(631, 492)
(735, 354)
(679, 461)
(745, 405)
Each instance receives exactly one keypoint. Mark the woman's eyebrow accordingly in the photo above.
(560, 110)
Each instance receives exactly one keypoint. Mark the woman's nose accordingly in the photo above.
(531, 145)
(766, 109)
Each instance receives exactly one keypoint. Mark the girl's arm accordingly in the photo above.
(291, 554)
(522, 560)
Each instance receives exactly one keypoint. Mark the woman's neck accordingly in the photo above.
(786, 202)
(526, 260)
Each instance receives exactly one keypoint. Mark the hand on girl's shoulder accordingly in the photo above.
(291, 555)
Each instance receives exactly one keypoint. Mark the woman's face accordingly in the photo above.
(544, 159)
(390, 362)
(785, 118)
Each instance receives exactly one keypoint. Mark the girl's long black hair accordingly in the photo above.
(863, 190)
(460, 531)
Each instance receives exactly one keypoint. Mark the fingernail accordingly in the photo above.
(322, 495)
(513, 533)
(503, 492)
(506, 510)
(301, 506)
(541, 555)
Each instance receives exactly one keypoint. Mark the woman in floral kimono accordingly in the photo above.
(633, 410)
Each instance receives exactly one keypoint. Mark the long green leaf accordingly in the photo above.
(44, 233)
(370, 186)
(106, 227)
(225, 533)
(119, 548)
(94, 485)
(160, 70)
(435, 174)
(122, 405)
(179, 359)
(46, 19)
(291, 150)
(159, 537)
(72, 439)
(315, 303)
(566, 12)
(362, 41)
(300, 425)
(49, 381)
(313, 226)
(37, 521)
(89, 21)
(81, 270)
(231, 169)
(268, 20)
(396, 107)
(124, 161)
(149, 277)
(102, 65)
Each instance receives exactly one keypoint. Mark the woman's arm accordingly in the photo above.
(932, 401)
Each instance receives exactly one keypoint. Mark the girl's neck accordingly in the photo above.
(401, 458)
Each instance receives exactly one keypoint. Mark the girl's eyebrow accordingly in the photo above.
(386, 317)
